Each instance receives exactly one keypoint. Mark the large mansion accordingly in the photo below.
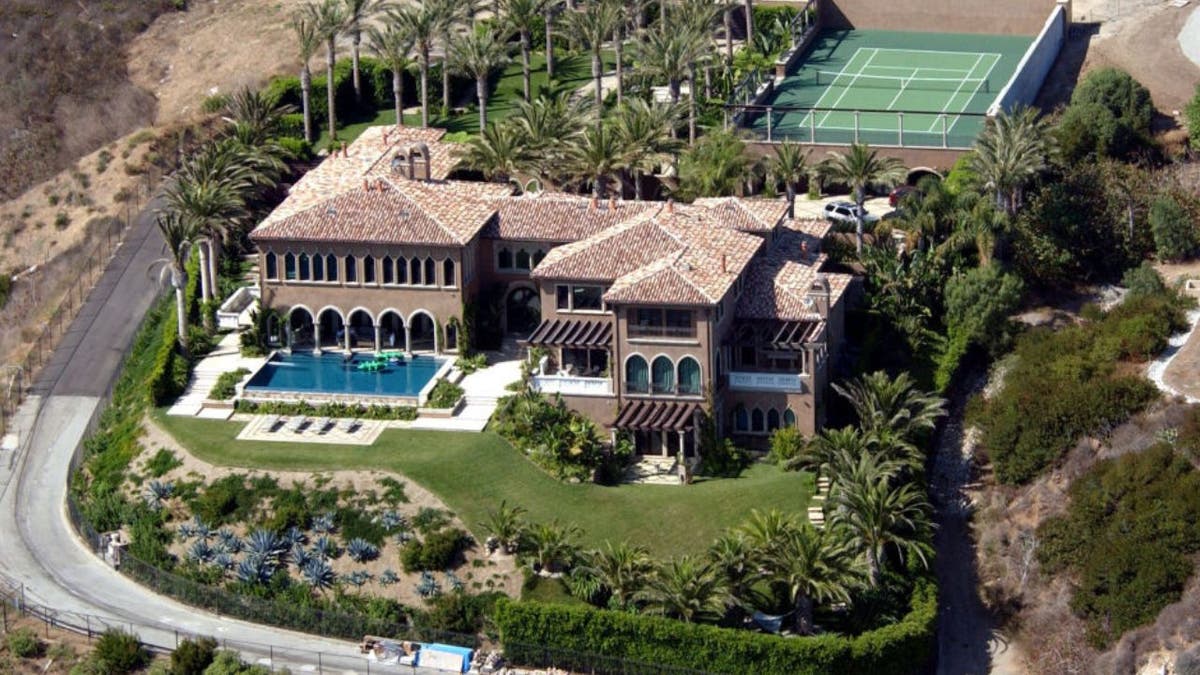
(634, 312)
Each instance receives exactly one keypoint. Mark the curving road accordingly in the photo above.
(39, 550)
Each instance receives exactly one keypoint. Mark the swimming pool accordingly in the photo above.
(334, 377)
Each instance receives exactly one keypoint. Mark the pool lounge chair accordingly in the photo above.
(296, 424)
(348, 425)
(322, 425)
(271, 423)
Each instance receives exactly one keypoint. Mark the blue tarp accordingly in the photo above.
(444, 654)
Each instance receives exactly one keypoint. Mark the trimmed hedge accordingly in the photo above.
(901, 648)
(169, 375)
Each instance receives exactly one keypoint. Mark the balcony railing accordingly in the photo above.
(677, 332)
(786, 382)
(568, 385)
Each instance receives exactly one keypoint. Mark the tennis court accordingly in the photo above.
(892, 88)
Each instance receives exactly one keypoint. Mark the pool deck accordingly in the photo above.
(224, 357)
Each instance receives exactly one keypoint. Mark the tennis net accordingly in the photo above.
(953, 84)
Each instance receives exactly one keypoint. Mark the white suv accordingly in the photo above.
(847, 212)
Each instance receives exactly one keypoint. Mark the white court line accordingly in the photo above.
(934, 51)
(972, 96)
(957, 71)
(831, 84)
(849, 86)
(903, 86)
(956, 90)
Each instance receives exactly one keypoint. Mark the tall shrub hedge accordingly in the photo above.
(564, 634)
(377, 93)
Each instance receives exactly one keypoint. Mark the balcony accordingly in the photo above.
(570, 385)
(669, 332)
(791, 383)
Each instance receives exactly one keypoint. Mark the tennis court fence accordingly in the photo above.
(880, 128)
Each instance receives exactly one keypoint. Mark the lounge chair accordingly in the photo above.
(297, 424)
(322, 425)
(271, 423)
(348, 425)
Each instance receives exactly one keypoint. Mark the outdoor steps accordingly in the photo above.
(653, 470)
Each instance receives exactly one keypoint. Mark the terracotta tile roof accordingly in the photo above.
(558, 217)
(404, 212)
(778, 282)
(747, 215)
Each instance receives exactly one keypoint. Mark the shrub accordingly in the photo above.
(163, 461)
(62, 221)
(102, 161)
(559, 440)
(458, 612)
(1131, 525)
(1174, 233)
(1109, 115)
(120, 652)
(1192, 115)
(373, 412)
(470, 364)
(1142, 280)
(978, 303)
(192, 657)
(437, 551)
(5, 289)
(226, 385)
(214, 104)
(536, 634)
(786, 443)
(445, 394)
(24, 643)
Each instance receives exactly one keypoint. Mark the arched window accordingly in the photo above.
(401, 270)
(523, 259)
(537, 256)
(389, 270)
(369, 270)
(756, 421)
(772, 419)
(663, 375)
(331, 268)
(789, 418)
(689, 376)
(351, 269)
(414, 271)
(318, 267)
(304, 267)
(430, 272)
(272, 266)
(637, 375)
(504, 259)
(289, 267)
(741, 419)
(451, 337)
(448, 273)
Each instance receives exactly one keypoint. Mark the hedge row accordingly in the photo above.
(169, 374)
(376, 81)
(901, 648)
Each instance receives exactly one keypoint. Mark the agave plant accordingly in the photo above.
(389, 577)
(224, 561)
(300, 556)
(255, 569)
(361, 550)
(393, 520)
(294, 536)
(266, 544)
(219, 548)
(200, 551)
(201, 529)
(323, 524)
(428, 586)
(229, 539)
(453, 582)
(185, 531)
(326, 547)
(157, 493)
(402, 537)
(357, 578)
(318, 574)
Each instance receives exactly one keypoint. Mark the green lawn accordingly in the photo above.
(472, 473)
(572, 71)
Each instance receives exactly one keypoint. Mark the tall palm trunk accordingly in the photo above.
(637, 185)
(205, 288)
(860, 198)
(214, 250)
(526, 73)
(727, 17)
(549, 43)
(618, 39)
(597, 74)
(872, 568)
(398, 95)
(804, 615)
(481, 96)
(692, 103)
(306, 102)
(749, 22)
(425, 87)
(446, 83)
(180, 310)
(354, 49)
(330, 87)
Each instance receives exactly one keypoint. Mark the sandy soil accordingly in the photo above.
(62, 648)
(499, 569)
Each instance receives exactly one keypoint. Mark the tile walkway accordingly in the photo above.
(224, 357)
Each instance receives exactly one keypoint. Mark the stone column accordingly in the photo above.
(666, 445)
(346, 334)
(378, 338)
(407, 341)
(317, 336)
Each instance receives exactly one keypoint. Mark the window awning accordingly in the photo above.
(657, 416)
(780, 335)
(572, 333)
(795, 334)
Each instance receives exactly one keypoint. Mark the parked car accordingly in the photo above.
(898, 194)
(847, 212)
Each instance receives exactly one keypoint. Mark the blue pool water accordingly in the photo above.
(333, 374)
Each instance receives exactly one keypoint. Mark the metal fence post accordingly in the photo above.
(945, 139)
(855, 126)
(770, 121)
(812, 126)
(900, 127)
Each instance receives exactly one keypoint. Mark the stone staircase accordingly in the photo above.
(653, 470)
(225, 356)
(816, 512)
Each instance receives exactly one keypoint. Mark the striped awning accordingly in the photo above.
(795, 334)
(572, 333)
(657, 416)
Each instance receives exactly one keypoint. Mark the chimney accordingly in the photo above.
(595, 204)
(382, 185)
(670, 205)
(724, 261)
(612, 203)
(804, 249)
(386, 131)
(366, 185)
(345, 153)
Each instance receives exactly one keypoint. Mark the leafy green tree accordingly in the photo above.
(1109, 116)
(979, 302)
(118, 652)
(859, 169)
(1191, 115)
(686, 588)
(1174, 232)
(1011, 151)
(1143, 280)
(192, 657)
(716, 166)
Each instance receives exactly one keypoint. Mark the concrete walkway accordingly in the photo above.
(482, 389)
(225, 357)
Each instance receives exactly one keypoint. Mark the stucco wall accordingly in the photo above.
(1009, 17)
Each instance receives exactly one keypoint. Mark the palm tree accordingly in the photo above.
(688, 589)
(765, 531)
(499, 153)
(393, 45)
(813, 566)
(716, 167)
(255, 116)
(859, 169)
(592, 27)
(179, 235)
(598, 157)
(822, 454)
(506, 524)
(646, 134)
(307, 42)
(620, 570)
(519, 16)
(978, 224)
(477, 54)
(357, 13)
(1010, 152)
(667, 52)
(329, 20)
(891, 409)
(422, 22)
(881, 515)
(551, 546)
(453, 14)
(736, 558)
(550, 12)
(790, 165)
(749, 21)
(550, 127)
